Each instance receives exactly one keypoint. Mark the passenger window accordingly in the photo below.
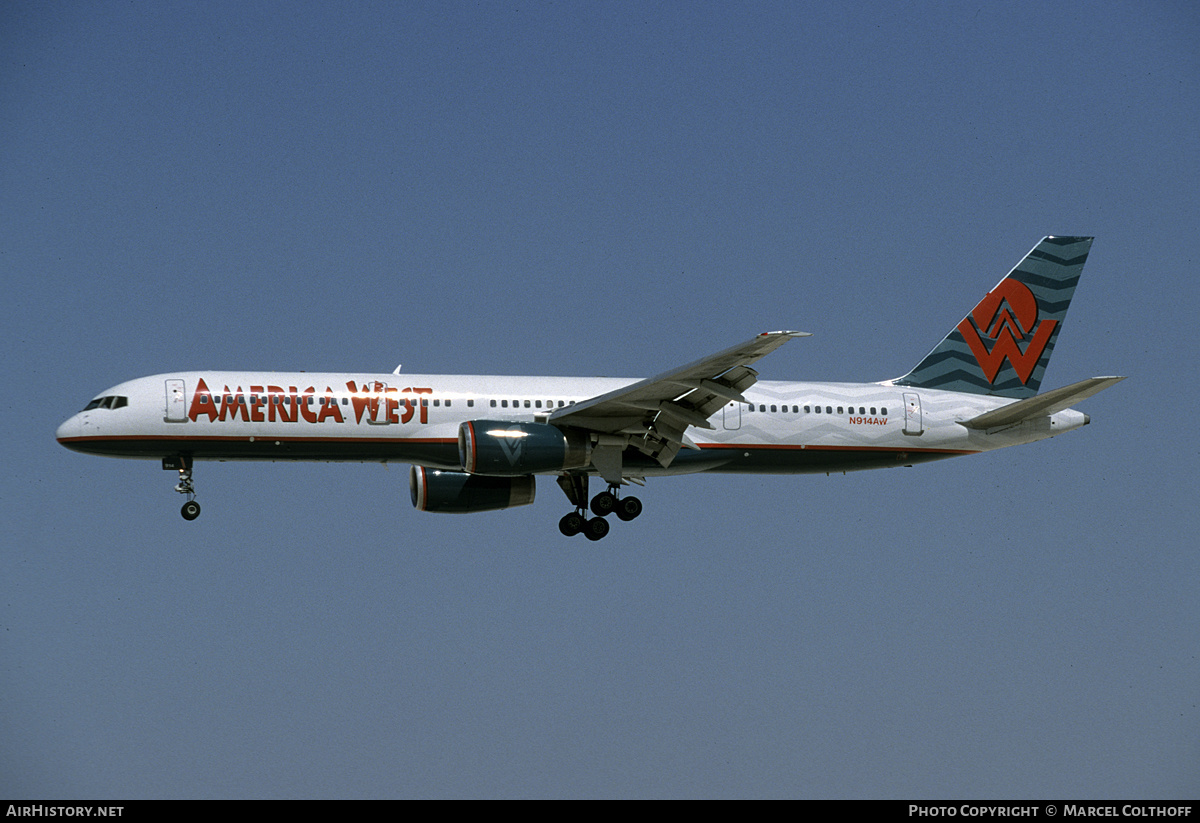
(772, 407)
(504, 404)
(883, 411)
(840, 410)
(807, 409)
(526, 404)
(470, 403)
(872, 410)
(492, 403)
(829, 409)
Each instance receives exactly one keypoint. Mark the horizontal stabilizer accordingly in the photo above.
(1042, 404)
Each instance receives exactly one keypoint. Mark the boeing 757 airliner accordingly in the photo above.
(476, 443)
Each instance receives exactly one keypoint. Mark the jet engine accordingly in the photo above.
(458, 492)
(500, 449)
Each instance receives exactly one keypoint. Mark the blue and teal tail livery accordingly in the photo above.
(1002, 347)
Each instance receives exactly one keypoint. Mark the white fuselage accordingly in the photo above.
(784, 427)
(476, 442)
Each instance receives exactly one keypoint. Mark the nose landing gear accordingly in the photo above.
(190, 509)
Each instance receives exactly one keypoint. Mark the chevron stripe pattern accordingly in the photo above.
(1002, 347)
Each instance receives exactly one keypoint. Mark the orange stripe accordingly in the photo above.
(805, 447)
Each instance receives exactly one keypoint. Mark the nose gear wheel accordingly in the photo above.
(191, 509)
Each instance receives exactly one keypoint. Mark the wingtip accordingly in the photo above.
(1067, 238)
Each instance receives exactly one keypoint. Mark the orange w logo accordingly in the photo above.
(1006, 315)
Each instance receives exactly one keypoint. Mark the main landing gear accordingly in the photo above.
(190, 509)
(603, 504)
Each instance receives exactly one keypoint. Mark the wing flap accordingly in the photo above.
(656, 412)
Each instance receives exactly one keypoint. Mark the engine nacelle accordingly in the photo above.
(503, 449)
(434, 490)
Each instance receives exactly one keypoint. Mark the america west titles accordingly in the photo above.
(377, 402)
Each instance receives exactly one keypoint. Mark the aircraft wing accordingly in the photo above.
(1041, 405)
(656, 412)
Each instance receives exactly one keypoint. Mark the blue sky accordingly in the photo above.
(608, 189)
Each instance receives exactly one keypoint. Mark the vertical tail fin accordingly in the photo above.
(1002, 347)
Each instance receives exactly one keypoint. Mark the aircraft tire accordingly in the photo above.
(628, 508)
(596, 528)
(190, 510)
(603, 504)
(571, 524)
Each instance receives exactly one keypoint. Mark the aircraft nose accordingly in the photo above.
(69, 429)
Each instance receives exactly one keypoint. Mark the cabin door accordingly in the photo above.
(912, 414)
(176, 402)
(733, 416)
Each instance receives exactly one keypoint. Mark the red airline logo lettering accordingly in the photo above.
(376, 402)
(1006, 315)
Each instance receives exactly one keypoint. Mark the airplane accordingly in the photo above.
(476, 443)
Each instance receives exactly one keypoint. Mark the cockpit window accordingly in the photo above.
(112, 401)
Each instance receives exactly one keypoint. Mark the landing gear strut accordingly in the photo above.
(602, 505)
(190, 509)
